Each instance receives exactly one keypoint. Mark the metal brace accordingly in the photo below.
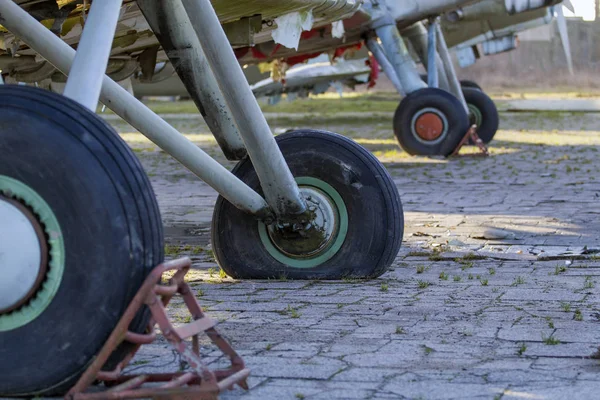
(198, 383)
(471, 137)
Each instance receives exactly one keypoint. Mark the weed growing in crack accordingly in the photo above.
(566, 307)
(384, 287)
(473, 256)
(423, 284)
(466, 265)
(435, 257)
(559, 269)
(172, 250)
(443, 276)
(522, 349)
(197, 250)
(418, 254)
(291, 311)
(550, 340)
(456, 278)
(519, 280)
(578, 316)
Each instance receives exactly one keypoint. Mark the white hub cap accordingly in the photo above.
(21, 255)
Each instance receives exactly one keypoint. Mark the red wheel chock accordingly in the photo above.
(198, 383)
(471, 137)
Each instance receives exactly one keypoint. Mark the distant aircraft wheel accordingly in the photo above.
(483, 113)
(356, 223)
(430, 122)
(79, 231)
(470, 84)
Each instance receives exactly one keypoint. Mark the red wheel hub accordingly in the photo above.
(429, 126)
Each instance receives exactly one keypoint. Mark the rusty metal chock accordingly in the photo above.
(476, 140)
(198, 383)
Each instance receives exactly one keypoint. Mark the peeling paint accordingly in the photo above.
(337, 29)
(290, 27)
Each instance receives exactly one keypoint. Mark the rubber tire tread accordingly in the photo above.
(489, 113)
(136, 196)
(470, 84)
(450, 106)
(237, 246)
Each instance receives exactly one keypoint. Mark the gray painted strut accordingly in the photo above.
(375, 48)
(432, 71)
(453, 81)
(277, 182)
(94, 48)
(171, 25)
(418, 36)
(400, 58)
(395, 49)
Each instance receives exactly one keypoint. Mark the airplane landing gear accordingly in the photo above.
(355, 222)
(430, 122)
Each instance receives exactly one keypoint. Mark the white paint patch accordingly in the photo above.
(20, 255)
(337, 29)
(290, 27)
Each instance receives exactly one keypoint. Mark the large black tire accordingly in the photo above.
(111, 228)
(470, 84)
(483, 112)
(448, 113)
(375, 218)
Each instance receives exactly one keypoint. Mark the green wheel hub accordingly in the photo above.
(476, 114)
(23, 194)
(311, 243)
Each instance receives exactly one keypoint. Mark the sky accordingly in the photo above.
(583, 8)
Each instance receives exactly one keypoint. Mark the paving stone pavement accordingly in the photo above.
(493, 295)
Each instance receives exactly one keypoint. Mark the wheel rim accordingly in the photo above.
(34, 251)
(478, 117)
(23, 254)
(429, 126)
(327, 232)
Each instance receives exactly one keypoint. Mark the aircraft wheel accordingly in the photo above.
(430, 122)
(79, 231)
(356, 226)
(470, 84)
(483, 113)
